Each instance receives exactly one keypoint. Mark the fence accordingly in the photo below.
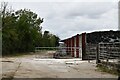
(91, 51)
(103, 51)
(109, 52)
(105, 54)
(62, 51)
(109, 56)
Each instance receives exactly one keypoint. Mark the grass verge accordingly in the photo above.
(111, 70)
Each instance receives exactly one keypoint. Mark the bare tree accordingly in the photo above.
(3, 9)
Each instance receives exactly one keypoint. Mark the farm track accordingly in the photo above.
(43, 66)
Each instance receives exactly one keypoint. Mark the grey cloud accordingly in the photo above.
(90, 10)
(66, 19)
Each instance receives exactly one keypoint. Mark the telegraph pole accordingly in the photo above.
(119, 15)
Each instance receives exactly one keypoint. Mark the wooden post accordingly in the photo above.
(97, 55)
(72, 46)
(77, 45)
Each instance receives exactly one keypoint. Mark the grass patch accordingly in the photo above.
(111, 70)
(17, 54)
(26, 53)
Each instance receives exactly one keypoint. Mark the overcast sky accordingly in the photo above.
(67, 19)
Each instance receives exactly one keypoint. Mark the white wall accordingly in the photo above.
(80, 45)
(75, 46)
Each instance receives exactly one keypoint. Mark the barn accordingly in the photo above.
(76, 46)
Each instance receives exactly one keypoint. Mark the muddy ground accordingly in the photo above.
(44, 66)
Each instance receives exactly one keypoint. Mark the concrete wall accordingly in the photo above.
(80, 45)
(74, 46)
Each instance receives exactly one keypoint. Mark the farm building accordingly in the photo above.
(77, 45)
